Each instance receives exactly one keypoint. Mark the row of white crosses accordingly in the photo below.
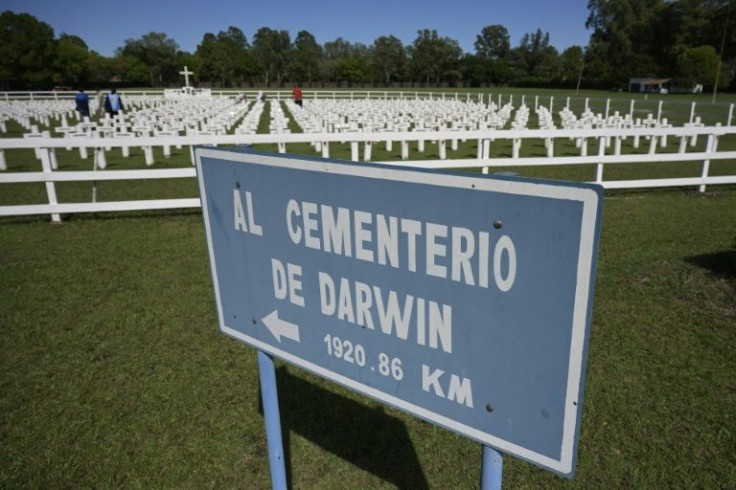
(447, 115)
(198, 117)
(590, 120)
(309, 124)
(396, 115)
(154, 116)
(521, 119)
(38, 112)
(31, 113)
(144, 116)
(251, 118)
(546, 121)
(279, 123)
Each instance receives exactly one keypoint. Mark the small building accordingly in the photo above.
(650, 85)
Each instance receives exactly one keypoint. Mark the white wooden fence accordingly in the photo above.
(46, 147)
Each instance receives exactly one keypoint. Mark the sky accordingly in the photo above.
(105, 25)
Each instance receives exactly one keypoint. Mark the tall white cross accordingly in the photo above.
(186, 74)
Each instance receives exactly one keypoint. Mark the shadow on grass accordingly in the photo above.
(720, 264)
(366, 437)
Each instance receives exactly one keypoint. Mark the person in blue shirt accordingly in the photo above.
(82, 102)
(113, 103)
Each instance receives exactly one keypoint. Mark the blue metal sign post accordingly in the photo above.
(271, 415)
(462, 299)
(491, 469)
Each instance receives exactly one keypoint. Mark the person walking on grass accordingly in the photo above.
(113, 103)
(82, 104)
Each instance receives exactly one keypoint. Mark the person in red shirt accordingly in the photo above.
(297, 93)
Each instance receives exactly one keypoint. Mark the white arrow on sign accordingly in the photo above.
(281, 328)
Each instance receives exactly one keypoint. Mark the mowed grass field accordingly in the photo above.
(114, 374)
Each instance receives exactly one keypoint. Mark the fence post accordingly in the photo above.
(601, 152)
(367, 151)
(692, 111)
(50, 186)
(659, 111)
(710, 147)
(730, 114)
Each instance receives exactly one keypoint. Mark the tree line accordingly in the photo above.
(691, 41)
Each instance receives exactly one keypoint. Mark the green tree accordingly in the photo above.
(337, 56)
(158, 52)
(499, 72)
(27, 50)
(232, 55)
(424, 56)
(700, 23)
(101, 68)
(206, 56)
(131, 69)
(389, 58)
(225, 58)
(474, 70)
(433, 57)
(272, 52)
(536, 58)
(493, 43)
(71, 65)
(623, 39)
(725, 11)
(359, 67)
(699, 65)
(571, 64)
(347, 62)
(450, 55)
(306, 60)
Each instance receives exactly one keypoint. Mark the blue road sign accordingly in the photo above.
(463, 299)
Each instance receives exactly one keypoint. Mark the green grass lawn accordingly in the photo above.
(114, 374)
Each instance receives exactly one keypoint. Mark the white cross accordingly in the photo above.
(186, 74)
